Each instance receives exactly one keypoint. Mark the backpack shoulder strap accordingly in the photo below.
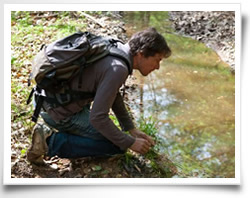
(114, 51)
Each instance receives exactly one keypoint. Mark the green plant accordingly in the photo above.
(148, 126)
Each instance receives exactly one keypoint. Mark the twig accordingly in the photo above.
(92, 18)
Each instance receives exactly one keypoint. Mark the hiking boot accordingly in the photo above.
(39, 146)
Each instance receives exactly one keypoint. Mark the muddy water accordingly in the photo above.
(191, 97)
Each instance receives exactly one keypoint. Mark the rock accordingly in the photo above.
(54, 166)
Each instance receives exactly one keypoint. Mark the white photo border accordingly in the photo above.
(7, 180)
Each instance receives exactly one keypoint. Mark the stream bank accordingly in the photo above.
(215, 29)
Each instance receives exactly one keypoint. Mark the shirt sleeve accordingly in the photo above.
(122, 114)
(106, 94)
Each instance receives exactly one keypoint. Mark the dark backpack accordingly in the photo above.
(56, 64)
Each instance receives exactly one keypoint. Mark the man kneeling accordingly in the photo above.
(83, 131)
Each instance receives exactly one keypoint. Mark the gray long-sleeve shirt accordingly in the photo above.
(104, 78)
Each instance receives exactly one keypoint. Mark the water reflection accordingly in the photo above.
(197, 151)
(192, 103)
(152, 98)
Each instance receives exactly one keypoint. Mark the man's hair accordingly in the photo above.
(149, 42)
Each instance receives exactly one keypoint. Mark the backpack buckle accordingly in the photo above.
(63, 99)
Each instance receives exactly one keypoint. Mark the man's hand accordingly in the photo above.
(142, 143)
(141, 146)
(139, 134)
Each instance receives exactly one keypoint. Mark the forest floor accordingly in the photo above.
(30, 30)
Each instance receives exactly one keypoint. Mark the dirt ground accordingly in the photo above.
(113, 167)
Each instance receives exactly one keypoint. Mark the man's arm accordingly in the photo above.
(122, 114)
(106, 93)
(105, 98)
(143, 142)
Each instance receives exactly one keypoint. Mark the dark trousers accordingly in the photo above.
(78, 138)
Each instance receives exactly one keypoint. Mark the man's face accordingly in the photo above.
(148, 64)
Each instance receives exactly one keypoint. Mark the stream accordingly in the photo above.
(191, 98)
